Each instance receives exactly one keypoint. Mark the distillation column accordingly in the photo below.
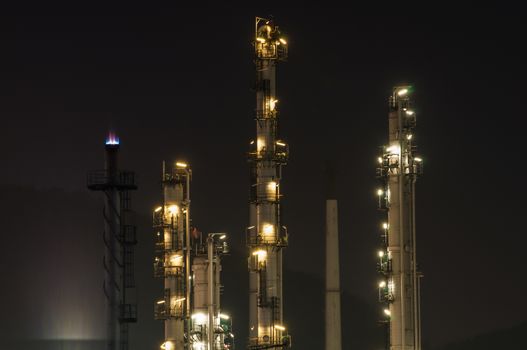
(266, 237)
(398, 171)
(119, 241)
(172, 259)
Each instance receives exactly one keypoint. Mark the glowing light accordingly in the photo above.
(380, 192)
(112, 139)
(279, 143)
(280, 328)
(394, 149)
(176, 260)
(225, 317)
(158, 209)
(262, 254)
(409, 112)
(379, 160)
(402, 92)
(283, 41)
(271, 189)
(409, 136)
(173, 209)
(262, 40)
(260, 144)
(252, 142)
(381, 253)
(268, 229)
(179, 300)
(382, 284)
(200, 318)
(385, 226)
(387, 312)
(160, 302)
(418, 160)
(223, 236)
(168, 345)
(272, 104)
(181, 165)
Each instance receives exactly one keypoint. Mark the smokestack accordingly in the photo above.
(333, 332)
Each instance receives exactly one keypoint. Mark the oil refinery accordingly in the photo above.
(189, 262)
(398, 170)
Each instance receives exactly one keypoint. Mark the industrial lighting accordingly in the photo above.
(252, 142)
(268, 229)
(168, 345)
(173, 209)
(179, 300)
(394, 149)
(382, 284)
(181, 165)
(272, 104)
(409, 136)
(409, 112)
(385, 226)
(223, 236)
(417, 159)
(387, 312)
(200, 318)
(112, 139)
(279, 143)
(174, 259)
(381, 253)
(280, 328)
(225, 317)
(262, 254)
(158, 209)
(379, 192)
(402, 92)
(160, 302)
(282, 40)
(379, 160)
(262, 40)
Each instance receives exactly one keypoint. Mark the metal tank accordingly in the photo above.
(266, 236)
(398, 170)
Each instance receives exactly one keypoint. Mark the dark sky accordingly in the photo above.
(176, 83)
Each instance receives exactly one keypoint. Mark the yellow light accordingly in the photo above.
(409, 112)
(179, 300)
(173, 209)
(262, 254)
(387, 312)
(262, 40)
(382, 284)
(417, 159)
(181, 165)
(168, 345)
(272, 104)
(379, 192)
(176, 259)
(381, 253)
(268, 229)
(225, 317)
(158, 209)
(160, 302)
(280, 328)
(200, 318)
(394, 149)
(279, 143)
(379, 160)
(385, 226)
(282, 40)
(223, 236)
(402, 92)
(252, 142)
(260, 144)
(409, 136)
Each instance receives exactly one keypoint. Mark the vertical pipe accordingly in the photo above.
(210, 330)
(333, 321)
(188, 282)
(401, 229)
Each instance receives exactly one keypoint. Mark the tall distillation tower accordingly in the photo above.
(398, 170)
(190, 267)
(119, 240)
(266, 236)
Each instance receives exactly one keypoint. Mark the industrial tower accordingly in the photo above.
(266, 236)
(190, 268)
(119, 240)
(398, 170)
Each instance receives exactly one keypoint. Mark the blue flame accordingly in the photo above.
(112, 139)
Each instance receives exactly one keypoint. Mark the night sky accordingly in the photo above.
(176, 83)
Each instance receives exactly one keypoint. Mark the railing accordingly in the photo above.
(101, 180)
(128, 313)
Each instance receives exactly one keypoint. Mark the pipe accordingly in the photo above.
(210, 330)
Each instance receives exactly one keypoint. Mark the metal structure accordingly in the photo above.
(398, 170)
(266, 237)
(119, 241)
(183, 260)
(333, 321)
